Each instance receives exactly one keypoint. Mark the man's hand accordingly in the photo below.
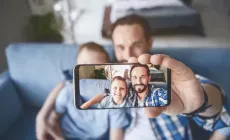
(187, 93)
(48, 128)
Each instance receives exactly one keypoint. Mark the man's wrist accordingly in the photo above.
(202, 108)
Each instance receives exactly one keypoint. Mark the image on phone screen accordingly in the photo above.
(107, 86)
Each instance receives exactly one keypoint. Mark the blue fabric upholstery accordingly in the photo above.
(24, 127)
(37, 68)
(90, 87)
(10, 103)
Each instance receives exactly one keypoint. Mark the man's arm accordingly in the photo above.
(116, 134)
(214, 99)
(187, 94)
(50, 101)
(97, 99)
(44, 124)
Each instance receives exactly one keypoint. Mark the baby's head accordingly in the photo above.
(92, 53)
(118, 89)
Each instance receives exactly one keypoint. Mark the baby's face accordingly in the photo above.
(119, 91)
(90, 57)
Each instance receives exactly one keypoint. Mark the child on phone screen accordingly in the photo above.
(117, 99)
(67, 122)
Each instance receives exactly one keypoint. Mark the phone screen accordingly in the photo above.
(107, 86)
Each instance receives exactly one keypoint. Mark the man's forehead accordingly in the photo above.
(139, 71)
(127, 34)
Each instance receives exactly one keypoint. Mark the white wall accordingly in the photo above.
(13, 18)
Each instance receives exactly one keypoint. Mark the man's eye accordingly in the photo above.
(121, 48)
(138, 46)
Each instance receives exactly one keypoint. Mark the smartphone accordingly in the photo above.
(109, 86)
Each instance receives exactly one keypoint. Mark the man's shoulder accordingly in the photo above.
(158, 90)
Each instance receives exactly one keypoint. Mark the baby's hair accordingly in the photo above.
(92, 46)
(119, 78)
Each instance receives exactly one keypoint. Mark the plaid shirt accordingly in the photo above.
(177, 127)
(154, 97)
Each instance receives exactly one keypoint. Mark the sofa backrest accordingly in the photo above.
(37, 68)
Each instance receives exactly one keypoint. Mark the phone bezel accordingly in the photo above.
(77, 99)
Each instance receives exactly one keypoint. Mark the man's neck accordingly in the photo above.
(142, 95)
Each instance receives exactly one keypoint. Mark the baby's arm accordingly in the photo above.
(97, 99)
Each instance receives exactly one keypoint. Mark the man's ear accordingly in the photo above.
(149, 77)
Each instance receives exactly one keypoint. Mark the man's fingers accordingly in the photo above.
(167, 62)
(144, 58)
(132, 60)
(153, 112)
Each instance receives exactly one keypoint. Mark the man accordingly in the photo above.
(141, 93)
(191, 95)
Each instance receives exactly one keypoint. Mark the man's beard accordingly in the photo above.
(140, 90)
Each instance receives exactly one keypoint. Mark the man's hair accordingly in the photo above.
(133, 19)
(140, 65)
(92, 46)
(119, 78)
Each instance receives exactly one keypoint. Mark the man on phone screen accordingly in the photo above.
(141, 94)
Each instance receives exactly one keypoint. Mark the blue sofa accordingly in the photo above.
(34, 69)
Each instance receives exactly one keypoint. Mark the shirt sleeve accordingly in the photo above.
(222, 120)
(103, 103)
(62, 99)
(118, 118)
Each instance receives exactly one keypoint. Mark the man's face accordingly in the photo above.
(129, 40)
(119, 91)
(140, 79)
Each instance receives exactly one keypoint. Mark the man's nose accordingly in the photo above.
(138, 80)
(128, 53)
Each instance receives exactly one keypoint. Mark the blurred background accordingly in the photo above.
(205, 23)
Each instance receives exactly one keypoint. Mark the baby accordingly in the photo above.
(117, 99)
(78, 124)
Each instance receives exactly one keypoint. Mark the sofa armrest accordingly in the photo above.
(10, 104)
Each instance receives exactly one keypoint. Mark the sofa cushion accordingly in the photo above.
(37, 68)
(91, 87)
(24, 127)
(10, 103)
